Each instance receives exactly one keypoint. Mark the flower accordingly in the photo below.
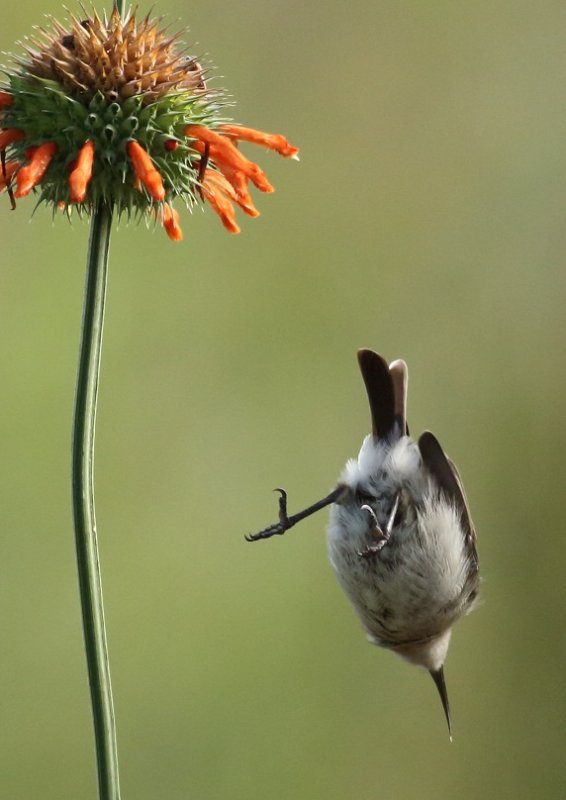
(112, 110)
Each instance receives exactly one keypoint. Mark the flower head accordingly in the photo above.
(113, 110)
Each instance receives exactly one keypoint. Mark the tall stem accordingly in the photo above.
(83, 505)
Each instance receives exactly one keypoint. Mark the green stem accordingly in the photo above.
(83, 505)
(121, 6)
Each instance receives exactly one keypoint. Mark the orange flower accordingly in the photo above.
(82, 173)
(31, 174)
(109, 109)
(146, 171)
(223, 183)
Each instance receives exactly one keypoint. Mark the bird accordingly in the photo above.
(400, 536)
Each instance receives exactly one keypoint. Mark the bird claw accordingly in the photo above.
(373, 518)
(279, 528)
(372, 549)
(375, 530)
(382, 537)
(283, 518)
(266, 533)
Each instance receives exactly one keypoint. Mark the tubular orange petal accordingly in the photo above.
(171, 223)
(82, 173)
(217, 182)
(230, 161)
(205, 135)
(31, 174)
(146, 171)
(6, 99)
(221, 205)
(235, 187)
(10, 135)
(274, 141)
(240, 184)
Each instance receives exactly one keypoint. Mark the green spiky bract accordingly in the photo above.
(47, 114)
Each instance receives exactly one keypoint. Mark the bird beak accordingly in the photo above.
(438, 678)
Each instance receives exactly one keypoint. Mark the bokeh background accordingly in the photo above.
(426, 219)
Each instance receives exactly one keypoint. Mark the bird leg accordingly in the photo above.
(285, 521)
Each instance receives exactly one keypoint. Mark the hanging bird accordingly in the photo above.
(400, 538)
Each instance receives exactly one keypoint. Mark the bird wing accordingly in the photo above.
(448, 478)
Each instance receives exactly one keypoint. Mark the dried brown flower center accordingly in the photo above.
(119, 58)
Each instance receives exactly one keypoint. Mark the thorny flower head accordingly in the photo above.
(113, 110)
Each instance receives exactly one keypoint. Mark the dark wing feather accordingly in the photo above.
(380, 391)
(446, 474)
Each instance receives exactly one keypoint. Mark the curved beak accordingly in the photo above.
(438, 678)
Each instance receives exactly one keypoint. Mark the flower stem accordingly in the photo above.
(83, 505)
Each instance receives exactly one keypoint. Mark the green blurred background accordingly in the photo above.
(425, 220)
